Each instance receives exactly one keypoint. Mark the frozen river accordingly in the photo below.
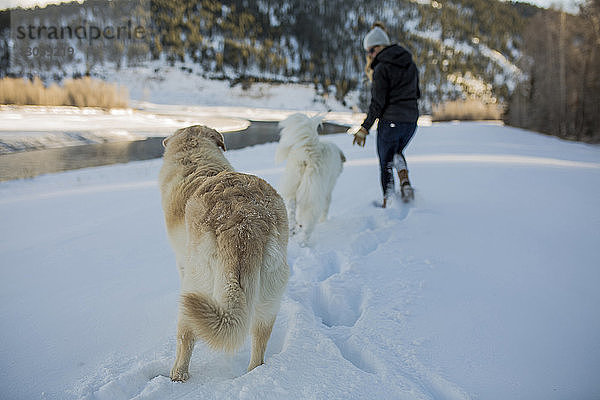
(27, 164)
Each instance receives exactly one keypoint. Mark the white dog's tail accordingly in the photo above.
(297, 130)
(225, 326)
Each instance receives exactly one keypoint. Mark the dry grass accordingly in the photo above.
(84, 92)
(466, 110)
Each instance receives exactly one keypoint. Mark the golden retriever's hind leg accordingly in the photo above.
(185, 346)
(261, 332)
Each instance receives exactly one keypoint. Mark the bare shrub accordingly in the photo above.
(466, 110)
(84, 92)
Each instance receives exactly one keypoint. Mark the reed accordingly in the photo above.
(83, 92)
(466, 110)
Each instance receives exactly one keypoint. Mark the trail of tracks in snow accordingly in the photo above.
(338, 285)
(333, 302)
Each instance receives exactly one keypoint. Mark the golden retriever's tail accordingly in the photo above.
(222, 328)
(222, 325)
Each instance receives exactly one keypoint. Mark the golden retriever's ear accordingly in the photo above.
(165, 141)
(220, 141)
(216, 136)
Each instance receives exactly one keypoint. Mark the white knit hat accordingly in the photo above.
(376, 37)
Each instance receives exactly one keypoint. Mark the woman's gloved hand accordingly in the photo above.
(360, 135)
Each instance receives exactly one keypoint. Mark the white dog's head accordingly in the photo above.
(297, 130)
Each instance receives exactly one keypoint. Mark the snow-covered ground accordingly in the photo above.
(485, 287)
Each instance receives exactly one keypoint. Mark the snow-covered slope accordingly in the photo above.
(484, 288)
(172, 85)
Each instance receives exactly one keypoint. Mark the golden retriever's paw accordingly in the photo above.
(178, 375)
(253, 365)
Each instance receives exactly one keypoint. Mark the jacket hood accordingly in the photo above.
(394, 54)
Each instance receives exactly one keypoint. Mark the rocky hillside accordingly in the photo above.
(463, 47)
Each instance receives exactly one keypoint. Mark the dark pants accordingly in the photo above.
(392, 138)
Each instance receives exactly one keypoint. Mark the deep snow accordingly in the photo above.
(485, 287)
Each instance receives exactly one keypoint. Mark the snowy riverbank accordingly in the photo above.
(37, 127)
(159, 106)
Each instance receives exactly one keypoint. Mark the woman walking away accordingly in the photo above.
(395, 90)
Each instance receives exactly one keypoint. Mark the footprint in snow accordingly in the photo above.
(365, 244)
(331, 264)
(356, 354)
(336, 304)
(138, 382)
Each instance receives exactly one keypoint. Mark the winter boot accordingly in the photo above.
(407, 192)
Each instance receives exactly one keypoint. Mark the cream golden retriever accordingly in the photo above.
(229, 232)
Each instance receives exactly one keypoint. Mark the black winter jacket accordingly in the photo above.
(395, 87)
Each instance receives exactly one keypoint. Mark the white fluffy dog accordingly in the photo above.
(312, 169)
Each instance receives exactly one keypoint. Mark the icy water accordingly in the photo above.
(28, 164)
